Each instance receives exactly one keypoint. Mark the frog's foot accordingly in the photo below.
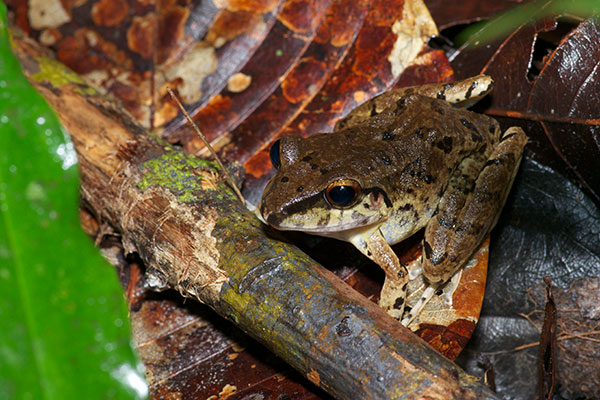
(447, 289)
(373, 245)
(418, 307)
(392, 297)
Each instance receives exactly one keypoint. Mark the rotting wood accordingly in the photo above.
(195, 236)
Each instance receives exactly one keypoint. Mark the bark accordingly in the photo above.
(194, 235)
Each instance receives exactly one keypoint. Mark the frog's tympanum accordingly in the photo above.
(407, 159)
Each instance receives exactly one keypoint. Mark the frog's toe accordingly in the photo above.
(441, 259)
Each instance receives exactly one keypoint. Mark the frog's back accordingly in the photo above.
(414, 149)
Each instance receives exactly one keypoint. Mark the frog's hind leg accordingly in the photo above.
(393, 293)
(463, 93)
(467, 212)
(470, 208)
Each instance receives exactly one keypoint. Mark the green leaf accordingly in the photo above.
(64, 327)
(486, 31)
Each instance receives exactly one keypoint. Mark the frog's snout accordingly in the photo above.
(269, 218)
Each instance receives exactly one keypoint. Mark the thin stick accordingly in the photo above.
(226, 173)
(565, 336)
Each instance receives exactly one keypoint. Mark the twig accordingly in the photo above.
(564, 336)
(226, 173)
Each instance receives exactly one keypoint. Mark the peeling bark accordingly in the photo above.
(195, 236)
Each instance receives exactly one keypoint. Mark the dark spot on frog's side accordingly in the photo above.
(448, 223)
(428, 179)
(476, 137)
(495, 161)
(507, 137)
(492, 127)
(300, 188)
(408, 169)
(323, 171)
(439, 109)
(400, 104)
(389, 135)
(398, 303)
(445, 144)
(373, 110)
(419, 132)
(386, 161)
(468, 124)
(285, 179)
(406, 207)
(314, 166)
(467, 227)
(437, 259)
(306, 158)
(469, 187)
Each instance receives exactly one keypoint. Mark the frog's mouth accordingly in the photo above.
(326, 222)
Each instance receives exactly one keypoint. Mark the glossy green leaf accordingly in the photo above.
(64, 327)
(486, 31)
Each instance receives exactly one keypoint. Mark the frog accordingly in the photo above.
(409, 159)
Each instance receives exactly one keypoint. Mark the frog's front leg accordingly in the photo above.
(372, 244)
(468, 211)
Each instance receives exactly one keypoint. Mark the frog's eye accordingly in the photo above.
(274, 154)
(342, 193)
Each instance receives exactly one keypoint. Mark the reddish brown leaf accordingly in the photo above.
(109, 12)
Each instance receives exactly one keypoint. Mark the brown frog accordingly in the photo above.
(405, 160)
